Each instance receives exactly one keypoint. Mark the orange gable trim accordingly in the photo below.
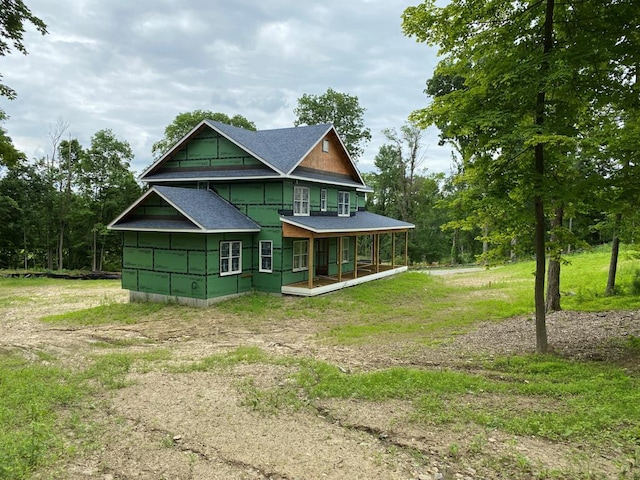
(335, 160)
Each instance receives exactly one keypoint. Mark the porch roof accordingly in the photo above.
(361, 222)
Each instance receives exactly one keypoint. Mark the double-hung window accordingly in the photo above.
(300, 200)
(343, 204)
(266, 256)
(300, 255)
(323, 200)
(230, 258)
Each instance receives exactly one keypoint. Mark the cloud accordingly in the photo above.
(132, 66)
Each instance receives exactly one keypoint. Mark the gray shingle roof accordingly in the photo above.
(282, 148)
(204, 211)
(360, 222)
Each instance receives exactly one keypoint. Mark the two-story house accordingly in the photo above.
(230, 210)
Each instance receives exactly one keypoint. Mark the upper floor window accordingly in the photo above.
(323, 200)
(325, 145)
(230, 258)
(300, 200)
(343, 204)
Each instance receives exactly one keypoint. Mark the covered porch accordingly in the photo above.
(369, 230)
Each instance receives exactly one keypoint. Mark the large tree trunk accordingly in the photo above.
(553, 275)
(613, 263)
(541, 325)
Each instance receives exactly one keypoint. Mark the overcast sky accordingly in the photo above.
(133, 65)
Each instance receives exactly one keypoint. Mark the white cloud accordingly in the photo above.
(132, 66)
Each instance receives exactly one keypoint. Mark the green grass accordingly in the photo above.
(31, 395)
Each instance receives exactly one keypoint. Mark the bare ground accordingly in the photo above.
(198, 426)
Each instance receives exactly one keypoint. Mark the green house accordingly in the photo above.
(230, 211)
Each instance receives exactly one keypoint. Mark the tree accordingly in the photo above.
(9, 155)
(107, 185)
(522, 66)
(186, 121)
(340, 109)
(13, 16)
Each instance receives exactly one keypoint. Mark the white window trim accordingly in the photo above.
(341, 205)
(230, 258)
(301, 255)
(323, 200)
(325, 145)
(270, 270)
(303, 212)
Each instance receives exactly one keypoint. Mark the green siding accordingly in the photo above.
(137, 258)
(188, 241)
(154, 282)
(220, 286)
(202, 148)
(130, 239)
(213, 263)
(247, 194)
(273, 193)
(156, 240)
(130, 279)
(190, 286)
(170, 261)
(264, 214)
(229, 149)
(267, 282)
(198, 263)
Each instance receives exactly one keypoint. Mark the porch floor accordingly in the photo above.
(329, 283)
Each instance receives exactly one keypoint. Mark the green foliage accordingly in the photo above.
(31, 394)
(340, 109)
(186, 121)
(13, 17)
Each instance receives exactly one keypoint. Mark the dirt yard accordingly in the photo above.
(195, 426)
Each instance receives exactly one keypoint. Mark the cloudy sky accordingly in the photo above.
(133, 65)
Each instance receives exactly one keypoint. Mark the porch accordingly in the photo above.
(365, 272)
(320, 235)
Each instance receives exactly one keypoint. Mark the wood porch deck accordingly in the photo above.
(329, 283)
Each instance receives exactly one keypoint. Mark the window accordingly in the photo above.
(230, 258)
(266, 256)
(300, 200)
(323, 200)
(345, 250)
(300, 255)
(325, 145)
(343, 204)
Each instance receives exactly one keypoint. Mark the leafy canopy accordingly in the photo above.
(340, 109)
(14, 14)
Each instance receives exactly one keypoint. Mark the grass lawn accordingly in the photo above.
(568, 400)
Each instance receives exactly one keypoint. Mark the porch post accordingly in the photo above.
(377, 240)
(340, 240)
(311, 269)
(406, 248)
(393, 250)
(355, 260)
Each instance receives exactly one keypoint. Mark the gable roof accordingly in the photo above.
(199, 211)
(281, 150)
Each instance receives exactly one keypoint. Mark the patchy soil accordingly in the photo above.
(198, 425)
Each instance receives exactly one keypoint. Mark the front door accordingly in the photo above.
(322, 256)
